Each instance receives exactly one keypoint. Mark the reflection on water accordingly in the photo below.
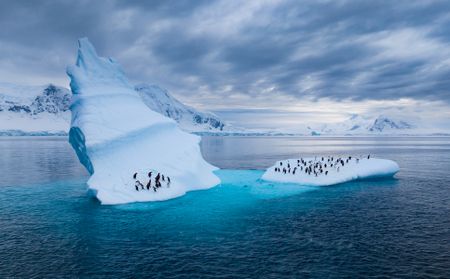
(31, 160)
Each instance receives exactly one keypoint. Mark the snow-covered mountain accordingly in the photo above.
(189, 119)
(383, 123)
(44, 110)
(34, 110)
(363, 125)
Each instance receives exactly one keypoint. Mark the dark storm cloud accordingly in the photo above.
(358, 50)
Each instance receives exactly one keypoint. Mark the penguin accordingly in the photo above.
(150, 174)
(157, 183)
(137, 184)
(149, 184)
(135, 175)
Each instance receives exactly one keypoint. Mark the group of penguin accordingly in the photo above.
(157, 182)
(316, 167)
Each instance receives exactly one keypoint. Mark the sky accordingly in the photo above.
(260, 64)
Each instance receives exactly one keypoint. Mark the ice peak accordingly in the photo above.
(95, 70)
(115, 135)
(86, 53)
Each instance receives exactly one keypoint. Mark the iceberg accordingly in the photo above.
(326, 171)
(125, 146)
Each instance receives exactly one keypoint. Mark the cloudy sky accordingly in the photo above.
(265, 64)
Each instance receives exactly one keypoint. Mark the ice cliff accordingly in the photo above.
(120, 140)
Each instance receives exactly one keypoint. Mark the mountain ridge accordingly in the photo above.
(160, 100)
(44, 110)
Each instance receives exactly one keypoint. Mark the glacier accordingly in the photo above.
(120, 140)
(327, 170)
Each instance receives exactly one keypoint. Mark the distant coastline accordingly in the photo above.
(20, 133)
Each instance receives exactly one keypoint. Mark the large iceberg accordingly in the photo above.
(325, 171)
(120, 140)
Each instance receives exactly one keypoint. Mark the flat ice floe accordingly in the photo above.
(325, 171)
(132, 153)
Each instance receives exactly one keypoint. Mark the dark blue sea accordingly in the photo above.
(243, 228)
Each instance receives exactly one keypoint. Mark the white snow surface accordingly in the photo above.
(363, 125)
(362, 168)
(116, 135)
(34, 110)
(189, 119)
(44, 110)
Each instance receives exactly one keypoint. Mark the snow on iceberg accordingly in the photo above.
(325, 171)
(120, 140)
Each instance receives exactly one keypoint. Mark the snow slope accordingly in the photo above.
(34, 110)
(363, 125)
(354, 169)
(44, 110)
(189, 119)
(117, 137)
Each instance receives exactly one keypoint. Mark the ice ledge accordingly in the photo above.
(325, 171)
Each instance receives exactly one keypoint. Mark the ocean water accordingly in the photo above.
(244, 228)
